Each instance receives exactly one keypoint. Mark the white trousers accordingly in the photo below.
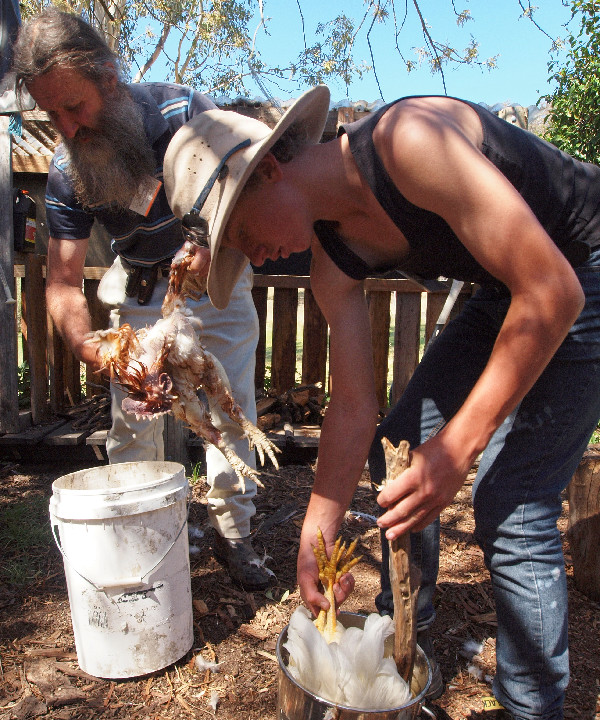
(231, 335)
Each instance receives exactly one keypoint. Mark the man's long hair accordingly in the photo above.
(108, 161)
(59, 38)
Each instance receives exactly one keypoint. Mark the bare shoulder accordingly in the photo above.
(415, 122)
(425, 144)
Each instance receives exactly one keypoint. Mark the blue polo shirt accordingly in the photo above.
(139, 240)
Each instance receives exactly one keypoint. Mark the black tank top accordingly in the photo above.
(564, 194)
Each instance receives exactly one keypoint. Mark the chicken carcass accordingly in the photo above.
(162, 367)
(346, 666)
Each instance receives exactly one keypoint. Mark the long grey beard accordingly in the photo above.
(107, 168)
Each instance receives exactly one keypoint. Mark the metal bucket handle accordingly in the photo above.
(123, 582)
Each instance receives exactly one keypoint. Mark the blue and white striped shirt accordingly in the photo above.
(139, 240)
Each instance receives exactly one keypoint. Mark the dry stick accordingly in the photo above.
(405, 584)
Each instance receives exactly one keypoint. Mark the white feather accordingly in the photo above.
(351, 670)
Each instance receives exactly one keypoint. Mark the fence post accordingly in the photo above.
(56, 367)
(9, 398)
(314, 342)
(406, 340)
(259, 295)
(379, 315)
(285, 324)
(35, 321)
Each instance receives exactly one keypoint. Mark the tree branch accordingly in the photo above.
(158, 48)
(431, 44)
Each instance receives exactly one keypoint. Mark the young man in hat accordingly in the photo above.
(108, 167)
(433, 186)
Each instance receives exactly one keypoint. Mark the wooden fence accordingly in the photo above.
(57, 381)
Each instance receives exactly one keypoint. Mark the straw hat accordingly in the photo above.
(207, 164)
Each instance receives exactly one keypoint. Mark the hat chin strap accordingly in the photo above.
(219, 173)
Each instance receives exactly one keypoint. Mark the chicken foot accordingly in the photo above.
(330, 571)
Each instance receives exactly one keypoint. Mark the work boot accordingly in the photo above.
(243, 564)
(437, 685)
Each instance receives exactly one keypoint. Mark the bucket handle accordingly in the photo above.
(123, 582)
(428, 712)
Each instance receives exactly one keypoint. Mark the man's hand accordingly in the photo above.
(418, 495)
(201, 262)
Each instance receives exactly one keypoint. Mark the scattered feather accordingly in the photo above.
(471, 648)
(195, 533)
(214, 700)
(475, 671)
(202, 664)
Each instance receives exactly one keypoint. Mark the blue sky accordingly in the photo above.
(521, 75)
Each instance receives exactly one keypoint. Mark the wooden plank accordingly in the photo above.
(379, 315)
(9, 397)
(31, 163)
(65, 435)
(98, 437)
(401, 285)
(406, 341)
(97, 441)
(304, 436)
(30, 436)
(259, 295)
(314, 342)
(94, 273)
(285, 322)
(345, 115)
(35, 317)
(370, 284)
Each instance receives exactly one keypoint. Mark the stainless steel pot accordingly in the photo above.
(296, 703)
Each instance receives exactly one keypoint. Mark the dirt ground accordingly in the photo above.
(40, 677)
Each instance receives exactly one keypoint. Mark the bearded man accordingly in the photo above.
(108, 168)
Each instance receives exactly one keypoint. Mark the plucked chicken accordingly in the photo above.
(346, 666)
(162, 367)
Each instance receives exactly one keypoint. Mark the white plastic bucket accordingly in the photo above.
(122, 531)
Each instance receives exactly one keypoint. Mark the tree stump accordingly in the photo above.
(584, 523)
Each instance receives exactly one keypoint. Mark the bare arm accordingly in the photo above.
(64, 295)
(350, 420)
(433, 156)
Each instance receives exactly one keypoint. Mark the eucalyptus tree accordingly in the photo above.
(215, 45)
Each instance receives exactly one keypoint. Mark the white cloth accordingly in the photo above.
(231, 335)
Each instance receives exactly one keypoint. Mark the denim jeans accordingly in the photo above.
(517, 492)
